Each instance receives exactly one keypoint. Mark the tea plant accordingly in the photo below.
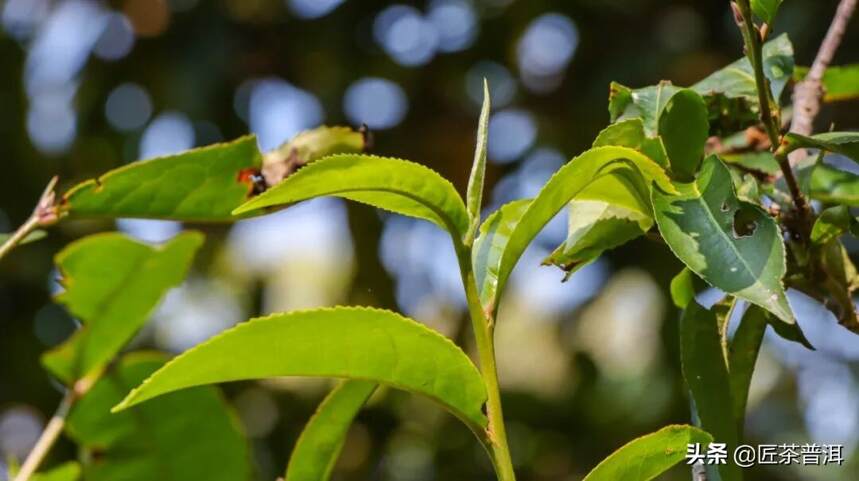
(711, 170)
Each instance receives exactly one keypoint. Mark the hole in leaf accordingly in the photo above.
(745, 222)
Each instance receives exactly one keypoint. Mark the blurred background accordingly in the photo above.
(585, 366)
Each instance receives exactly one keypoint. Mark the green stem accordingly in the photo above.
(483, 335)
(45, 214)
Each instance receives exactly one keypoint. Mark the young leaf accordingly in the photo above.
(683, 288)
(478, 169)
(733, 245)
(706, 374)
(346, 342)
(844, 143)
(646, 103)
(70, 471)
(611, 211)
(396, 185)
(765, 9)
(839, 82)
(684, 128)
(320, 443)
(192, 435)
(565, 185)
(203, 184)
(489, 247)
(630, 133)
(833, 222)
(832, 185)
(112, 284)
(743, 355)
(649, 456)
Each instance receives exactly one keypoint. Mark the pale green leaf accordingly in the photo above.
(684, 128)
(743, 355)
(765, 9)
(396, 185)
(474, 195)
(345, 342)
(839, 82)
(70, 471)
(611, 211)
(192, 435)
(564, 186)
(734, 245)
(832, 185)
(630, 133)
(645, 103)
(706, 374)
(844, 143)
(34, 236)
(320, 443)
(489, 247)
(649, 456)
(112, 283)
(683, 288)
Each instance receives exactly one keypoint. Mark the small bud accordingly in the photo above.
(738, 14)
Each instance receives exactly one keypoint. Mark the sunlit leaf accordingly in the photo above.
(829, 184)
(564, 186)
(112, 283)
(70, 471)
(765, 9)
(734, 245)
(743, 355)
(684, 128)
(630, 133)
(320, 443)
(308, 146)
(489, 247)
(645, 103)
(474, 195)
(832, 223)
(845, 143)
(649, 456)
(683, 288)
(611, 211)
(839, 83)
(345, 342)
(396, 185)
(192, 435)
(706, 374)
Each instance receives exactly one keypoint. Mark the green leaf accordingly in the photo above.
(706, 374)
(645, 103)
(832, 223)
(647, 457)
(839, 83)
(765, 9)
(70, 471)
(763, 162)
(112, 284)
(684, 129)
(567, 183)
(832, 185)
(320, 443)
(731, 93)
(347, 342)
(683, 288)
(202, 184)
(630, 133)
(396, 185)
(489, 247)
(611, 211)
(734, 245)
(743, 355)
(844, 143)
(192, 435)
(474, 195)
(34, 236)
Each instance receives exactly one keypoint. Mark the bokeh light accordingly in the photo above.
(456, 23)
(511, 133)
(128, 107)
(377, 102)
(277, 110)
(168, 133)
(312, 8)
(405, 35)
(545, 50)
(502, 84)
(117, 39)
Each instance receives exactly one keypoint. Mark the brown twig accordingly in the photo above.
(43, 215)
(48, 438)
(807, 94)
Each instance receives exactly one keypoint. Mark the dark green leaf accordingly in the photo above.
(346, 342)
(683, 127)
(742, 359)
(706, 375)
(649, 456)
(474, 195)
(320, 443)
(832, 223)
(765, 9)
(832, 185)
(844, 143)
(112, 284)
(191, 435)
(733, 245)
(839, 83)
(396, 185)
